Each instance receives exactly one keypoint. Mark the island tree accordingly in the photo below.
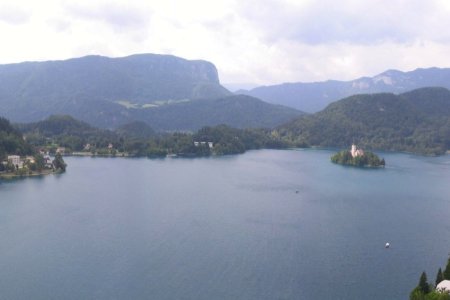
(447, 270)
(439, 276)
(59, 163)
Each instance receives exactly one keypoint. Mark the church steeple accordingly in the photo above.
(353, 151)
(356, 152)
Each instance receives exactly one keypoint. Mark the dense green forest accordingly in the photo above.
(138, 139)
(11, 141)
(229, 140)
(65, 131)
(137, 129)
(369, 159)
(417, 121)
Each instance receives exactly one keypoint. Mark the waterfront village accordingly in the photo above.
(92, 150)
(39, 164)
(42, 163)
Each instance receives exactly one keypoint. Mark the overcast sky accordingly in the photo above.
(260, 42)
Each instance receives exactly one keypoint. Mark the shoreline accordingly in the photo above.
(360, 167)
(10, 176)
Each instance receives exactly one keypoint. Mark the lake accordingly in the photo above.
(268, 224)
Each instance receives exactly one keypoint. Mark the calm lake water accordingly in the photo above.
(262, 225)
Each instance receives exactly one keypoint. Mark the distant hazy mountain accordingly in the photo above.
(312, 97)
(166, 92)
(416, 121)
(233, 87)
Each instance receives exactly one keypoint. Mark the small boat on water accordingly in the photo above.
(387, 245)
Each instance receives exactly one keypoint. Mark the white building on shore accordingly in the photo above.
(15, 160)
(443, 286)
(210, 144)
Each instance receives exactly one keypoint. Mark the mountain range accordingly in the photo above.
(315, 96)
(417, 121)
(141, 94)
(166, 92)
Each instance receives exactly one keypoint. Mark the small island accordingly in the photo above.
(358, 158)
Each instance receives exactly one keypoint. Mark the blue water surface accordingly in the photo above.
(267, 224)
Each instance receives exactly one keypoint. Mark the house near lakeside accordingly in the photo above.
(61, 150)
(48, 161)
(210, 144)
(22, 162)
(14, 159)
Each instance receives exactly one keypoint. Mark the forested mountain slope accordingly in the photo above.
(417, 121)
(166, 92)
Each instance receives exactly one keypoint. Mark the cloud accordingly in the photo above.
(121, 16)
(59, 24)
(13, 15)
(320, 40)
(352, 22)
(252, 41)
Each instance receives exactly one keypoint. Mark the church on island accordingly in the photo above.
(357, 157)
(356, 152)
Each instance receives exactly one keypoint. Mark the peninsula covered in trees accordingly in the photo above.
(358, 158)
(73, 137)
(19, 158)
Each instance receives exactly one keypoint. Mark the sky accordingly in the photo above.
(251, 42)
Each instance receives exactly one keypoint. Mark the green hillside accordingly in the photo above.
(166, 92)
(237, 111)
(136, 129)
(138, 139)
(32, 91)
(57, 125)
(11, 141)
(67, 132)
(417, 121)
